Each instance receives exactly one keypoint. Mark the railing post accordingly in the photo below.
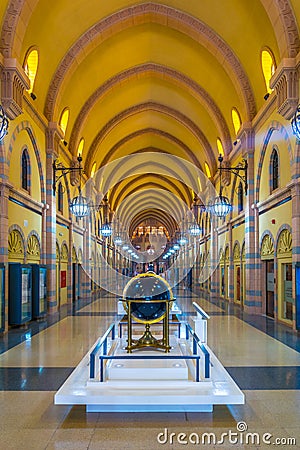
(194, 346)
(197, 369)
(92, 366)
(101, 370)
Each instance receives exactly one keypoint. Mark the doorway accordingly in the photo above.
(270, 288)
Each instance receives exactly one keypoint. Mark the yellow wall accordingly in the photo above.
(19, 216)
(282, 215)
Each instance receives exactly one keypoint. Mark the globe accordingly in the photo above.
(147, 287)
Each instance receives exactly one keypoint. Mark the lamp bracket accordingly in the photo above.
(236, 171)
(65, 171)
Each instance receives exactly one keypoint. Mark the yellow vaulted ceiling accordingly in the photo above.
(159, 76)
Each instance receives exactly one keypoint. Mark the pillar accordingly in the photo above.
(296, 245)
(53, 138)
(4, 196)
(253, 300)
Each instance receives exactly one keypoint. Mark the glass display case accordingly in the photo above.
(20, 293)
(2, 297)
(39, 291)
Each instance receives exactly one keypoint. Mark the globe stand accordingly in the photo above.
(148, 340)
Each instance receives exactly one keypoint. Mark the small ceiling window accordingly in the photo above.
(93, 170)
(207, 170)
(80, 147)
(64, 119)
(268, 67)
(236, 120)
(31, 65)
(220, 147)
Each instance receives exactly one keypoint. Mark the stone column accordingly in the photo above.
(70, 280)
(215, 275)
(4, 195)
(253, 300)
(296, 246)
(86, 282)
(53, 138)
(231, 265)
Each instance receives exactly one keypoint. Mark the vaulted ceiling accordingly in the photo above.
(149, 77)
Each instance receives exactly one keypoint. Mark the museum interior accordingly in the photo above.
(138, 137)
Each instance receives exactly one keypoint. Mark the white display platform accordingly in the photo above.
(138, 369)
(149, 385)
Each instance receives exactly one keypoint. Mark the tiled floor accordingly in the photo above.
(261, 356)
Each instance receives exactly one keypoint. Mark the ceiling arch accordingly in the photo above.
(169, 73)
(189, 124)
(121, 173)
(152, 12)
(144, 202)
(116, 198)
(18, 15)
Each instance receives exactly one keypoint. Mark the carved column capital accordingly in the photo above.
(285, 81)
(13, 82)
(54, 136)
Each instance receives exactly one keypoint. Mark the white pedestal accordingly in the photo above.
(131, 389)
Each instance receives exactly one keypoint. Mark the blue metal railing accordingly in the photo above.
(197, 344)
(98, 346)
(200, 311)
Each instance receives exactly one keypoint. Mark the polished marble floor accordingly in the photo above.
(262, 357)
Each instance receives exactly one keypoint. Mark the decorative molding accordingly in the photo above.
(284, 246)
(226, 255)
(54, 137)
(236, 252)
(289, 22)
(64, 253)
(13, 83)
(74, 255)
(15, 245)
(33, 248)
(267, 248)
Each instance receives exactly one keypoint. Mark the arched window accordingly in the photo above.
(60, 198)
(220, 147)
(207, 170)
(25, 170)
(236, 120)
(80, 147)
(31, 65)
(93, 170)
(64, 119)
(274, 170)
(240, 198)
(268, 67)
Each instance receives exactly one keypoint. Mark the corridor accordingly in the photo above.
(261, 356)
